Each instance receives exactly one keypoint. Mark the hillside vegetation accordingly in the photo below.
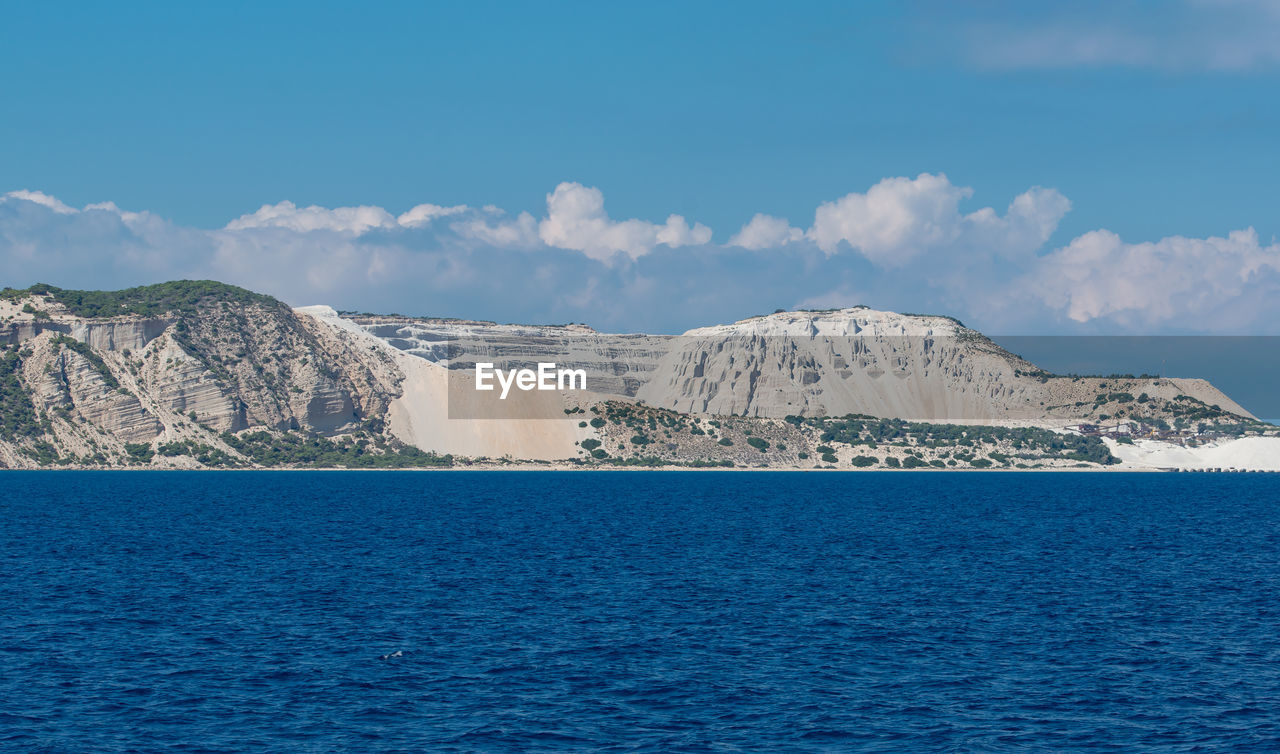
(176, 297)
(175, 374)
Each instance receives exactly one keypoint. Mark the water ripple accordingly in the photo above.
(639, 612)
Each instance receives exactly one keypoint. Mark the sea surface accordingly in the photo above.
(639, 611)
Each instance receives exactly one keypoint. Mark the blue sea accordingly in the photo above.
(639, 611)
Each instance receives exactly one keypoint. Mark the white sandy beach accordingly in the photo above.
(1243, 454)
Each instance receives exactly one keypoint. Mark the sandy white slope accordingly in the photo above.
(420, 415)
(1246, 453)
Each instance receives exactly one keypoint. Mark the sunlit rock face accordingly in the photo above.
(827, 363)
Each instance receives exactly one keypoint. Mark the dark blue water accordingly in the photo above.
(643, 611)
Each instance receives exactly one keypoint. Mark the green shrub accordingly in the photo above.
(18, 417)
(758, 443)
(726, 441)
(829, 458)
(140, 452)
(44, 453)
(170, 449)
(311, 451)
(863, 461)
(590, 444)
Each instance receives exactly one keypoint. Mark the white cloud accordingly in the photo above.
(425, 213)
(41, 198)
(916, 251)
(1176, 279)
(353, 220)
(766, 232)
(1212, 35)
(136, 220)
(288, 215)
(498, 230)
(1027, 224)
(901, 219)
(576, 220)
(897, 219)
(132, 219)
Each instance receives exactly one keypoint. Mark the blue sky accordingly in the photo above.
(1153, 120)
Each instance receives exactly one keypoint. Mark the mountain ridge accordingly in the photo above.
(198, 374)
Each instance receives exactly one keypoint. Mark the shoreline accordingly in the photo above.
(614, 469)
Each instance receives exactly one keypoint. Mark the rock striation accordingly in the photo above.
(616, 364)
(825, 363)
(182, 384)
(195, 373)
(68, 382)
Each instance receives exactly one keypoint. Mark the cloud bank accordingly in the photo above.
(908, 244)
(1223, 36)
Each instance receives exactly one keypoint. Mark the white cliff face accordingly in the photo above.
(281, 378)
(835, 323)
(616, 365)
(64, 379)
(130, 335)
(741, 368)
(231, 367)
(127, 333)
(849, 361)
(419, 414)
(175, 380)
(832, 363)
(915, 378)
(96, 384)
(180, 383)
(862, 361)
(322, 406)
(430, 338)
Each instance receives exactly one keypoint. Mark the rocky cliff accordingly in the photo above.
(616, 364)
(824, 363)
(884, 364)
(179, 362)
(199, 374)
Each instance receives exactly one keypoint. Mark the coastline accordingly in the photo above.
(573, 468)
